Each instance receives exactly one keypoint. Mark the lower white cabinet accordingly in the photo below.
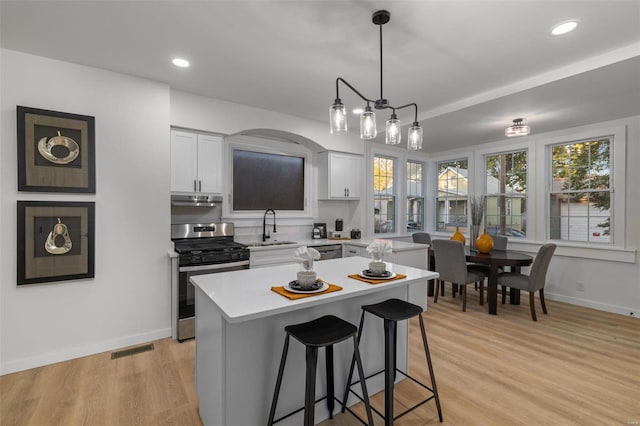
(416, 258)
(349, 250)
(271, 257)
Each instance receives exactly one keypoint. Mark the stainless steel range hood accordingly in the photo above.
(196, 200)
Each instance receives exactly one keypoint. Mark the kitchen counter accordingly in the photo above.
(240, 331)
(396, 246)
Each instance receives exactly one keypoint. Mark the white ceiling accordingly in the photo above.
(471, 66)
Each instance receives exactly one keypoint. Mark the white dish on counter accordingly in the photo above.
(377, 277)
(320, 289)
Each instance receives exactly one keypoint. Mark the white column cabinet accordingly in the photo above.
(339, 176)
(196, 163)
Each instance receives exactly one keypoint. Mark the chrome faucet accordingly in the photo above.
(264, 224)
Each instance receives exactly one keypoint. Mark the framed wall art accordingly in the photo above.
(56, 151)
(55, 241)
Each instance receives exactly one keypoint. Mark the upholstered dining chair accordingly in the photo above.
(499, 243)
(422, 238)
(451, 264)
(425, 238)
(533, 282)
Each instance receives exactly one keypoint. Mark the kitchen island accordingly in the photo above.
(240, 331)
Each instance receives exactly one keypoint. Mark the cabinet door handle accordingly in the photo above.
(199, 186)
(194, 186)
(352, 251)
(347, 192)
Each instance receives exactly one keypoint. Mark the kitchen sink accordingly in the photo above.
(271, 243)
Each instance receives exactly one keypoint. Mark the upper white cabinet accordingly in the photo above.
(339, 176)
(196, 163)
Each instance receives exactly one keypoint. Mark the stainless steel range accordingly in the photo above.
(202, 249)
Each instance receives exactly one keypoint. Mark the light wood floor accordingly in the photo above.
(575, 366)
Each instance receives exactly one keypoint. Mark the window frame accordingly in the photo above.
(509, 200)
(423, 196)
(470, 185)
(393, 195)
(617, 144)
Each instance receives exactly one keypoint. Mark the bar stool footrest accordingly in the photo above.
(302, 408)
(375, 410)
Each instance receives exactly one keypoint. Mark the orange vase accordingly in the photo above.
(457, 236)
(484, 243)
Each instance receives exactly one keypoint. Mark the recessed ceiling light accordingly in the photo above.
(564, 27)
(357, 111)
(179, 62)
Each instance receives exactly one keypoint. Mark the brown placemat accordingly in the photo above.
(293, 296)
(374, 281)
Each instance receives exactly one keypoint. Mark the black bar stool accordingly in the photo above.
(392, 311)
(321, 332)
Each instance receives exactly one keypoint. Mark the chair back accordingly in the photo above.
(422, 238)
(538, 274)
(451, 261)
(500, 242)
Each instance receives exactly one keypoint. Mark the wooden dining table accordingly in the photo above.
(495, 259)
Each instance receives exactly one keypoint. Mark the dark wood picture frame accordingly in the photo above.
(56, 151)
(55, 241)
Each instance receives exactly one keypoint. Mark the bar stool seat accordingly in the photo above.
(392, 311)
(321, 332)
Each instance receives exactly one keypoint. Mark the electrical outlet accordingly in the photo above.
(580, 286)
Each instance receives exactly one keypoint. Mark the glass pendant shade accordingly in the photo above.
(518, 129)
(414, 140)
(393, 136)
(337, 118)
(368, 124)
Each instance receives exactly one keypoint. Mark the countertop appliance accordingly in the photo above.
(203, 248)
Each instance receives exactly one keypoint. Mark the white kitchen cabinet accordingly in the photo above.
(196, 163)
(415, 257)
(271, 256)
(339, 176)
(349, 250)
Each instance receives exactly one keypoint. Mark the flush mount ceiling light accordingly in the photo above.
(179, 62)
(338, 117)
(564, 27)
(518, 129)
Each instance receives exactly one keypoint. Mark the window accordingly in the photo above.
(451, 201)
(383, 195)
(415, 197)
(267, 181)
(580, 196)
(506, 194)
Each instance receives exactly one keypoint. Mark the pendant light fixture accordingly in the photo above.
(517, 129)
(338, 118)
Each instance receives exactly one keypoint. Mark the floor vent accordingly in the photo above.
(132, 351)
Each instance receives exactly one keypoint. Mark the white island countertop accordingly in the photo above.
(246, 295)
(396, 246)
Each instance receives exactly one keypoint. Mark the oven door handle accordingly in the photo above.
(213, 267)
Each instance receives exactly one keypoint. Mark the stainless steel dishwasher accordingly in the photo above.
(331, 251)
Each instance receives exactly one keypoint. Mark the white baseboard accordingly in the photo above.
(622, 310)
(80, 351)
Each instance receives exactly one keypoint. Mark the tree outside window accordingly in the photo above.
(451, 201)
(415, 197)
(383, 195)
(506, 194)
(580, 196)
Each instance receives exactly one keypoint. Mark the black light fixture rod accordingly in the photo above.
(352, 88)
(381, 97)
